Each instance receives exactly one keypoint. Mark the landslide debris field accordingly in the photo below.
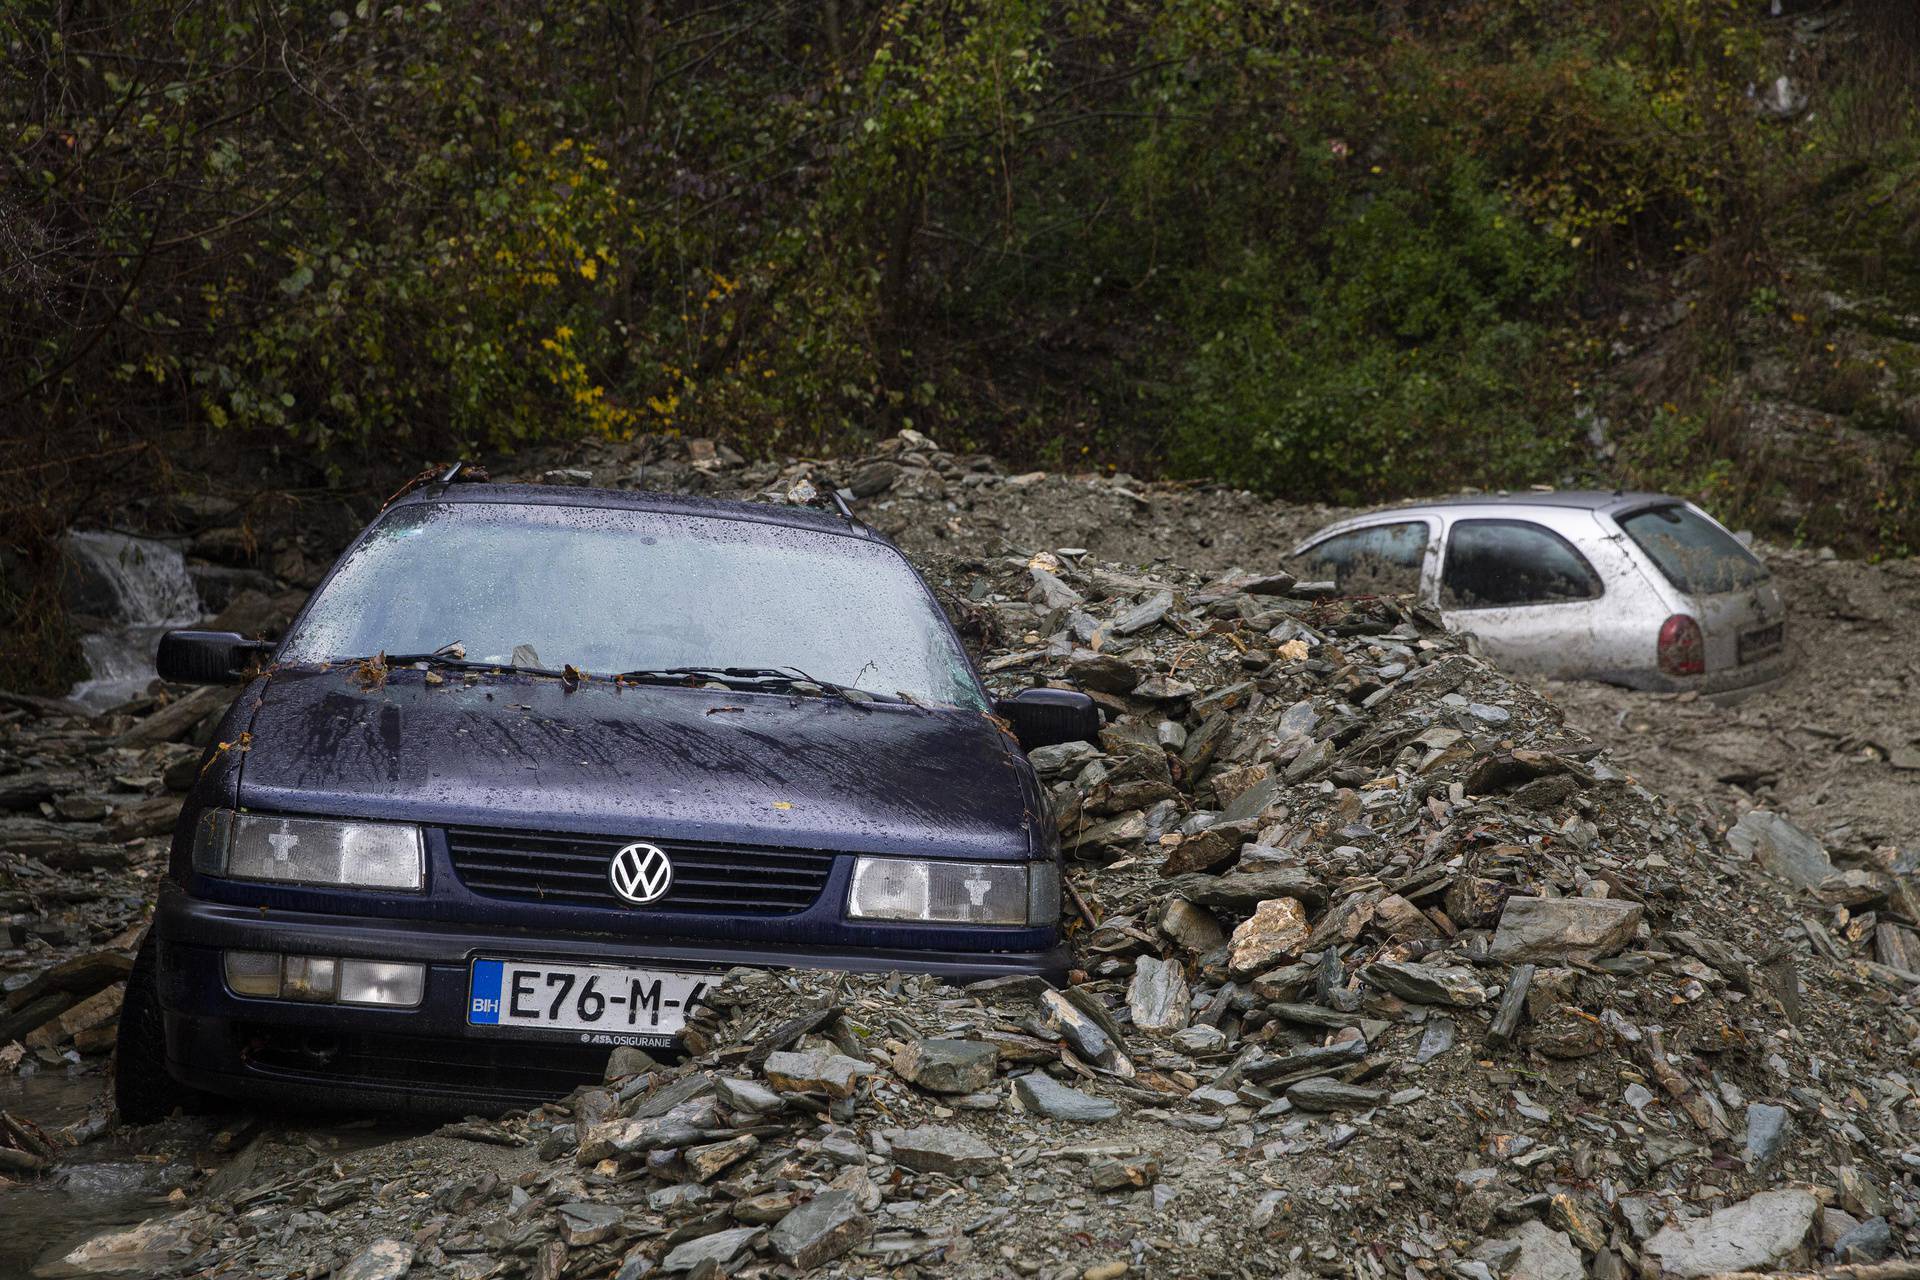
(1389, 965)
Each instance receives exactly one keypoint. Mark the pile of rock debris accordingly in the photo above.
(1382, 971)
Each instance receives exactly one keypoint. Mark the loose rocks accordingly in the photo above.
(1045, 1096)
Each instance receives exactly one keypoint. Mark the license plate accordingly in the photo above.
(610, 1004)
(1758, 644)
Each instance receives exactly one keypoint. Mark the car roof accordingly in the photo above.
(1573, 499)
(1614, 502)
(681, 504)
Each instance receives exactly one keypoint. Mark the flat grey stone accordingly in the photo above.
(1191, 926)
(1533, 1251)
(821, 1229)
(1456, 986)
(1158, 995)
(1143, 615)
(1780, 847)
(1041, 1094)
(722, 1247)
(1062, 758)
(1200, 1038)
(1564, 928)
(1322, 1094)
(816, 1072)
(1435, 1040)
(947, 1066)
(933, 1148)
(628, 1061)
(381, 1260)
(1310, 761)
(1869, 1241)
(747, 1095)
(582, 1224)
(1078, 1029)
(1051, 593)
(1767, 1128)
(1761, 1232)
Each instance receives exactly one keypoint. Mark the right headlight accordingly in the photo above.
(358, 855)
(939, 892)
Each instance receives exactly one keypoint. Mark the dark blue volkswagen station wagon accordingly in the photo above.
(536, 764)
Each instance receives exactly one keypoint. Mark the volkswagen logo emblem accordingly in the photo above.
(640, 874)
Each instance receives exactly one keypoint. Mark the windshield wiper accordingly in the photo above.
(753, 678)
(454, 657)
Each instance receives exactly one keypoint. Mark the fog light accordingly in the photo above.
(309, 978)
(381, 982)
(253, 973)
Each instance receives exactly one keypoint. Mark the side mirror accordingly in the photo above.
(1043, 717)
(207, 657)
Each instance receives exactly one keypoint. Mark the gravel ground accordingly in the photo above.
(1388, 963)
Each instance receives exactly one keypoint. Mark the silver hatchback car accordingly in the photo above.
(1636, 589)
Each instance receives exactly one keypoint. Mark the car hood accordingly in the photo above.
(523, 752)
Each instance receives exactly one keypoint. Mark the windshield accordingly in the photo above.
(1696, 555)
(608, 590)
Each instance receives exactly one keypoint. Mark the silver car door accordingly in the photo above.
(1525, 593)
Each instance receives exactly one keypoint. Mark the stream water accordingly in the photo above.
(122, 1178)
(150, 592)
(104, 1186)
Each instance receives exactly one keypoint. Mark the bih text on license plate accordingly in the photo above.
(611, 1004)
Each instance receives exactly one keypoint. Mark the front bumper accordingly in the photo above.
(429, 1058)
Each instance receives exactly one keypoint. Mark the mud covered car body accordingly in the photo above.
(451, 878)
(1636, 589)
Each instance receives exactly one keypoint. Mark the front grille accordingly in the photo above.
(568, 870)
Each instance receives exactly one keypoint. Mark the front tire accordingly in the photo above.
(143, 1091)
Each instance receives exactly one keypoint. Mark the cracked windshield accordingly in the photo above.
(608, 591)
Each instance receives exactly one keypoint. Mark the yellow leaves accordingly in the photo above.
(568, 374)
(590, 269)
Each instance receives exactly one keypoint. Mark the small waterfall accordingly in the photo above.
(151, 593)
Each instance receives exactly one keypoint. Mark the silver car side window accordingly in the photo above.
(1381, 559)
(1494, 564)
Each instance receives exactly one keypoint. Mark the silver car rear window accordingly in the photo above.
(1697, 556)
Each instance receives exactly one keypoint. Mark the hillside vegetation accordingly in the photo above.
(1344, 251)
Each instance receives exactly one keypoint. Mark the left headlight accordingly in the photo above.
(360, 855)
(1017, 893)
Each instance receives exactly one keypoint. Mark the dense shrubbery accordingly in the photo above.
(1331, 250)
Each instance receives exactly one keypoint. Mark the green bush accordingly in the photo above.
(1396, 351)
